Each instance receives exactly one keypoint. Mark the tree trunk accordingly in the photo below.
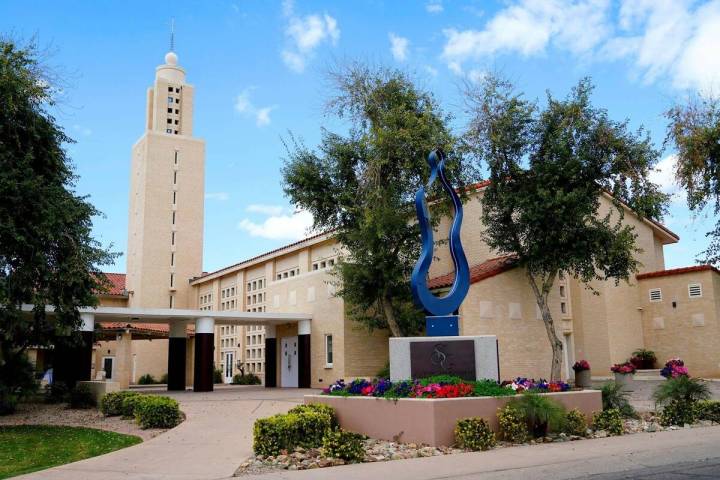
(555, 343)
(390, 317)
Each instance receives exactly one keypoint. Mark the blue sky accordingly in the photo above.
(258, 68)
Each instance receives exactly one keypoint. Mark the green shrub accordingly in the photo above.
(303, 426)
(8, 401)
(615, 396)
(320, 408)
(678, 413)
(164, 378)
(490, 388)
(384, 373)
(217, 376)
(57, 392)
(343, 444)
(513, 426)
(82, 397)
(608, 420)
(111, 404)
(156, 412)
(128, 403)
(474, 434)
(147, 379)
(575, 423)
(708, 410)
(247, 379)
(681, 390)
(541, 413)
(446, 379)
(273, 434)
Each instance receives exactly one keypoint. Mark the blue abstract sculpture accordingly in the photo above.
(440, 320)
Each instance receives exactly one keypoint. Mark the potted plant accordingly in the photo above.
(623, 374)
(674, 368)
(582, 374)
(643, 359)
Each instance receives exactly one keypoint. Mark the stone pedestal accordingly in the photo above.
(469, 357)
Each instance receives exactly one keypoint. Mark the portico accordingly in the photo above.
(204, 322)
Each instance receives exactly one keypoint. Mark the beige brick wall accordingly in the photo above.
(677, 331)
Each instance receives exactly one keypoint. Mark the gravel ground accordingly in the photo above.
(60, 414)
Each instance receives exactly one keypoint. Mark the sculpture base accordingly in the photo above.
(444, 326)
(468, 357)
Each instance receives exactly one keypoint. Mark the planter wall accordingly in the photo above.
(432, 421)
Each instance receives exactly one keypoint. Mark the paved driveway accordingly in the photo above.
(210, 444)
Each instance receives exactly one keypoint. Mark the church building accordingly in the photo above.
(673, 312)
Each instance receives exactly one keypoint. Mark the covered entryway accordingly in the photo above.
(204, 322)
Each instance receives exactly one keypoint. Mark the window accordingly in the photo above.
(170, 99)
(562, 291)
(176, 122)
(169, 110)
(172, 259)
(563, 308)
(172, 238)
(177, 100)
(172, 279)
(170, 89)
(315, 266)
(177, 111)
(655, 295)
(169, 130)
(175, 177)
(323, 264)
(173, 218)
(176, 132)
(169, 120)
(695, 290)
(328, 351)
(177, 90)
(332, 262)
(176, 153)
(174, 198)
(172, 301)
(285, 275)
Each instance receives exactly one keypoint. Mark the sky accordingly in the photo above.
(260, 73)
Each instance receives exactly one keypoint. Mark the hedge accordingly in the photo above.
(303, 426)
(111, 404)
(156, 412)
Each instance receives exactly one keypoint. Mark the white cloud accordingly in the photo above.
(244, 105)
(670, 38)
(664, 176)
(432, 71)
(399, 47)
(434, 6)
(265, 209)
(528, 27)
(221, 196)
(305, 34)
(280, 227)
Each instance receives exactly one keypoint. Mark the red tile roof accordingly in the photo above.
(677, 271)
(481, 271)
(117, 284)
(162, 329)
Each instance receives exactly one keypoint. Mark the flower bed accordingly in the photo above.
(440, 386)
(431, 420)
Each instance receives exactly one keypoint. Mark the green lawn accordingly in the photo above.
(28, 448)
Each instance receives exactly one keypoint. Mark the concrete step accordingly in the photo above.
(650, 374)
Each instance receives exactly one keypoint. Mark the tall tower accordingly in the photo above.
(167, 182)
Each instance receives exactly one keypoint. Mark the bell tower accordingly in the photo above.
(167, 183)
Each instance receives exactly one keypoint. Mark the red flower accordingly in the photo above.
(367, 391)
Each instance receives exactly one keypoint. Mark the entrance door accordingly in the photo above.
(108, 367)
(229, 362)
(289, 362)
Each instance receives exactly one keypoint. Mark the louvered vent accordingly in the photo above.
(655, 295)
(695, 290)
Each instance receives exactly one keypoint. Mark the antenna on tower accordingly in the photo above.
(172, 35)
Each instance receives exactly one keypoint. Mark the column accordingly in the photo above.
(304, 354)
(204, 346)
(177, 351)
(122, 367)
(72, 355)
(270, 356)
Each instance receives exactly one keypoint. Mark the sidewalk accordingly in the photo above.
(557, 461)
(210, 444)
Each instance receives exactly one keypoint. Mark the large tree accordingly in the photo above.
(694, 129)
(549, 168)
(47, 254)
(361, 185)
